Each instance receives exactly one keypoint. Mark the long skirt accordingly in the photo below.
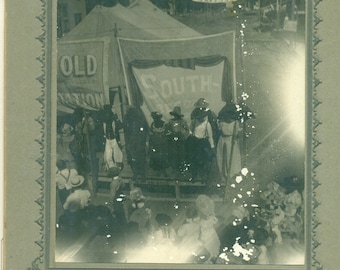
(228, 157)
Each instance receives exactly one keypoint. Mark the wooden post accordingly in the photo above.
(177, 191)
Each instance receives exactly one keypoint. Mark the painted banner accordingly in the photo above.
(82, 79)
(165, 87)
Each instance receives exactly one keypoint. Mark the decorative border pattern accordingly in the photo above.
(41, 119)
(315, 142)
(43, 19)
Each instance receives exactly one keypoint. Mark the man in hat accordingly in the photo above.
(80, 214)
(228, 152)
(79, 198)
(75, 207)
(200, 145)
(203, 105)
(178, 131)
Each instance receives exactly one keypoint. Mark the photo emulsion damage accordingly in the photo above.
(180, 132)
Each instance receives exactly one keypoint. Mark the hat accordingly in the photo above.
(205, 205)
(76, 181)
(177, 111)
(136, 194)
(163, 219)
(228, 113)
(156, 115)
(198, 113)
(201, 103)
(240, 212)
(113, 171)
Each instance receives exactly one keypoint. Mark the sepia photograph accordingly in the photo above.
(180, 132)
(166, 134)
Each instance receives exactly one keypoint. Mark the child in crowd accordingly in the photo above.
(165, 234)
(208, 220)
(188, 238)
(139, 220)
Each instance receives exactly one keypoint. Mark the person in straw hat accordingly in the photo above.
(71, 221)
(80, 215)
(79, 198)
(62, 178)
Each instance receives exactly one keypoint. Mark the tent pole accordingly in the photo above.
(91, 184)
(124, 71)
(241, 44)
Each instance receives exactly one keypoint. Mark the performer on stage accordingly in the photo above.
(200, 145)
(158, 145)
(203, 105)
(178, 131)
(228, 151)
(113, 155)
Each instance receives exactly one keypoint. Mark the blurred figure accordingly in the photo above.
(136, 130)
(139, 221)
(84, 147)
(208, 220)
(164, 236)
(188, 238)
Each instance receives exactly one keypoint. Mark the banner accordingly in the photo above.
(165, 87)
(82, 79)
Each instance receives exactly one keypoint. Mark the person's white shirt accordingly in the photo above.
(77, 200)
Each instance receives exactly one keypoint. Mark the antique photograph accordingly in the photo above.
(171, 134)
(180, 133)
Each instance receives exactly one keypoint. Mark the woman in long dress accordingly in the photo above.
(228, 151)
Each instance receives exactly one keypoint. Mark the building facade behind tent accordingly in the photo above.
(69, 14)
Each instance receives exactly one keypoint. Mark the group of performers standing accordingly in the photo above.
(195, 146)
(174, 147)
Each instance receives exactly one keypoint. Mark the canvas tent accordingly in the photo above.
(90, 57)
